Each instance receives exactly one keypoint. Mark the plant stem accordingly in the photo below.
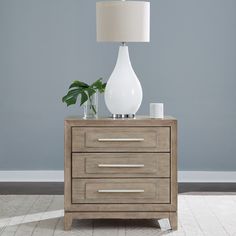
(93, 107)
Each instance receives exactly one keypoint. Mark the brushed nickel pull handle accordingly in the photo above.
(120, 190)
(120, 139)
(121, 165)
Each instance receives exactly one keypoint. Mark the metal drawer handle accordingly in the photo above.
(121, 165)
(120, 139)
(120, 190)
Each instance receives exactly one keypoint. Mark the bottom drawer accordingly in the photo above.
(121, 190)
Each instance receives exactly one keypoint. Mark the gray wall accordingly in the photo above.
(190, 65)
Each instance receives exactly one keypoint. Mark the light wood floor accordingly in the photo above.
(42, 215)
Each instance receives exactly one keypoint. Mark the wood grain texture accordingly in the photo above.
(155, 139)
(118, 215)
(122, 207)
(106, 121)
(50, 217)
(86, 165)
(68, 218)
(86, 190)
(37, 209)
(67, 165)
(173, 161)
(173, 220)
(151, 143)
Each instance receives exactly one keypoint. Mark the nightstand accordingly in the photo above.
(120, 168)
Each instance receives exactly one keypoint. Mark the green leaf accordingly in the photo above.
(74, 91)
(84, 98)
(71, 93)
(80, 88)
(78, 83)
(71, 101)
(98, 85)
(90, 91)
(102, 89)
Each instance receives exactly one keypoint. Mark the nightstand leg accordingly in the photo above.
(173, 220)
(67, 221)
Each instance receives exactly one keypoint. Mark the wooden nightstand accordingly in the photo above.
(120, 168)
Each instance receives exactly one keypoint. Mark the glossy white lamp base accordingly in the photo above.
(123, 93)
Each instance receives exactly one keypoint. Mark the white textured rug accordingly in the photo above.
(42, 215)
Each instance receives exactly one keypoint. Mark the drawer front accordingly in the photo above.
(120, 165)
(121, 139)
(120, 191)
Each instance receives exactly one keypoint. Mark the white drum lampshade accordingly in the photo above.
(123, 21)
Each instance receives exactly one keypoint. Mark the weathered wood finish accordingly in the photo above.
(117, 215)
(155, 139)
(87, 191)
(157, 151)
(174, 182)
(139, 121)
(86, 165)
(67, 166)
(122, 207)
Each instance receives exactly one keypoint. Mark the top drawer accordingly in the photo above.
(121, 139)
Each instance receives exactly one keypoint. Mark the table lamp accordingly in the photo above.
(123, 21)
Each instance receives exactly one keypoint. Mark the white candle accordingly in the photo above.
(156, 110)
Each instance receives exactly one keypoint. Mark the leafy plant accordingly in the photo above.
(85, 91)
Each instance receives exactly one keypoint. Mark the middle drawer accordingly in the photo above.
(120, 165)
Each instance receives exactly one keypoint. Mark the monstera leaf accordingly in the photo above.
(83, 90)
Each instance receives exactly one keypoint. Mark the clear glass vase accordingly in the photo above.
(91, 107)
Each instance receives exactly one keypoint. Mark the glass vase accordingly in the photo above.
(91, 107)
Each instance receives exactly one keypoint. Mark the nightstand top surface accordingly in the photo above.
(140, 117)
(108, 121)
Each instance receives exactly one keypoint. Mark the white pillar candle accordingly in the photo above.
(156, 110)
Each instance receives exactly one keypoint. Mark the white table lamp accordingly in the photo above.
(123, 21)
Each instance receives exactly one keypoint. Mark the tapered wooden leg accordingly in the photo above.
(173, 220)
(67, 221)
